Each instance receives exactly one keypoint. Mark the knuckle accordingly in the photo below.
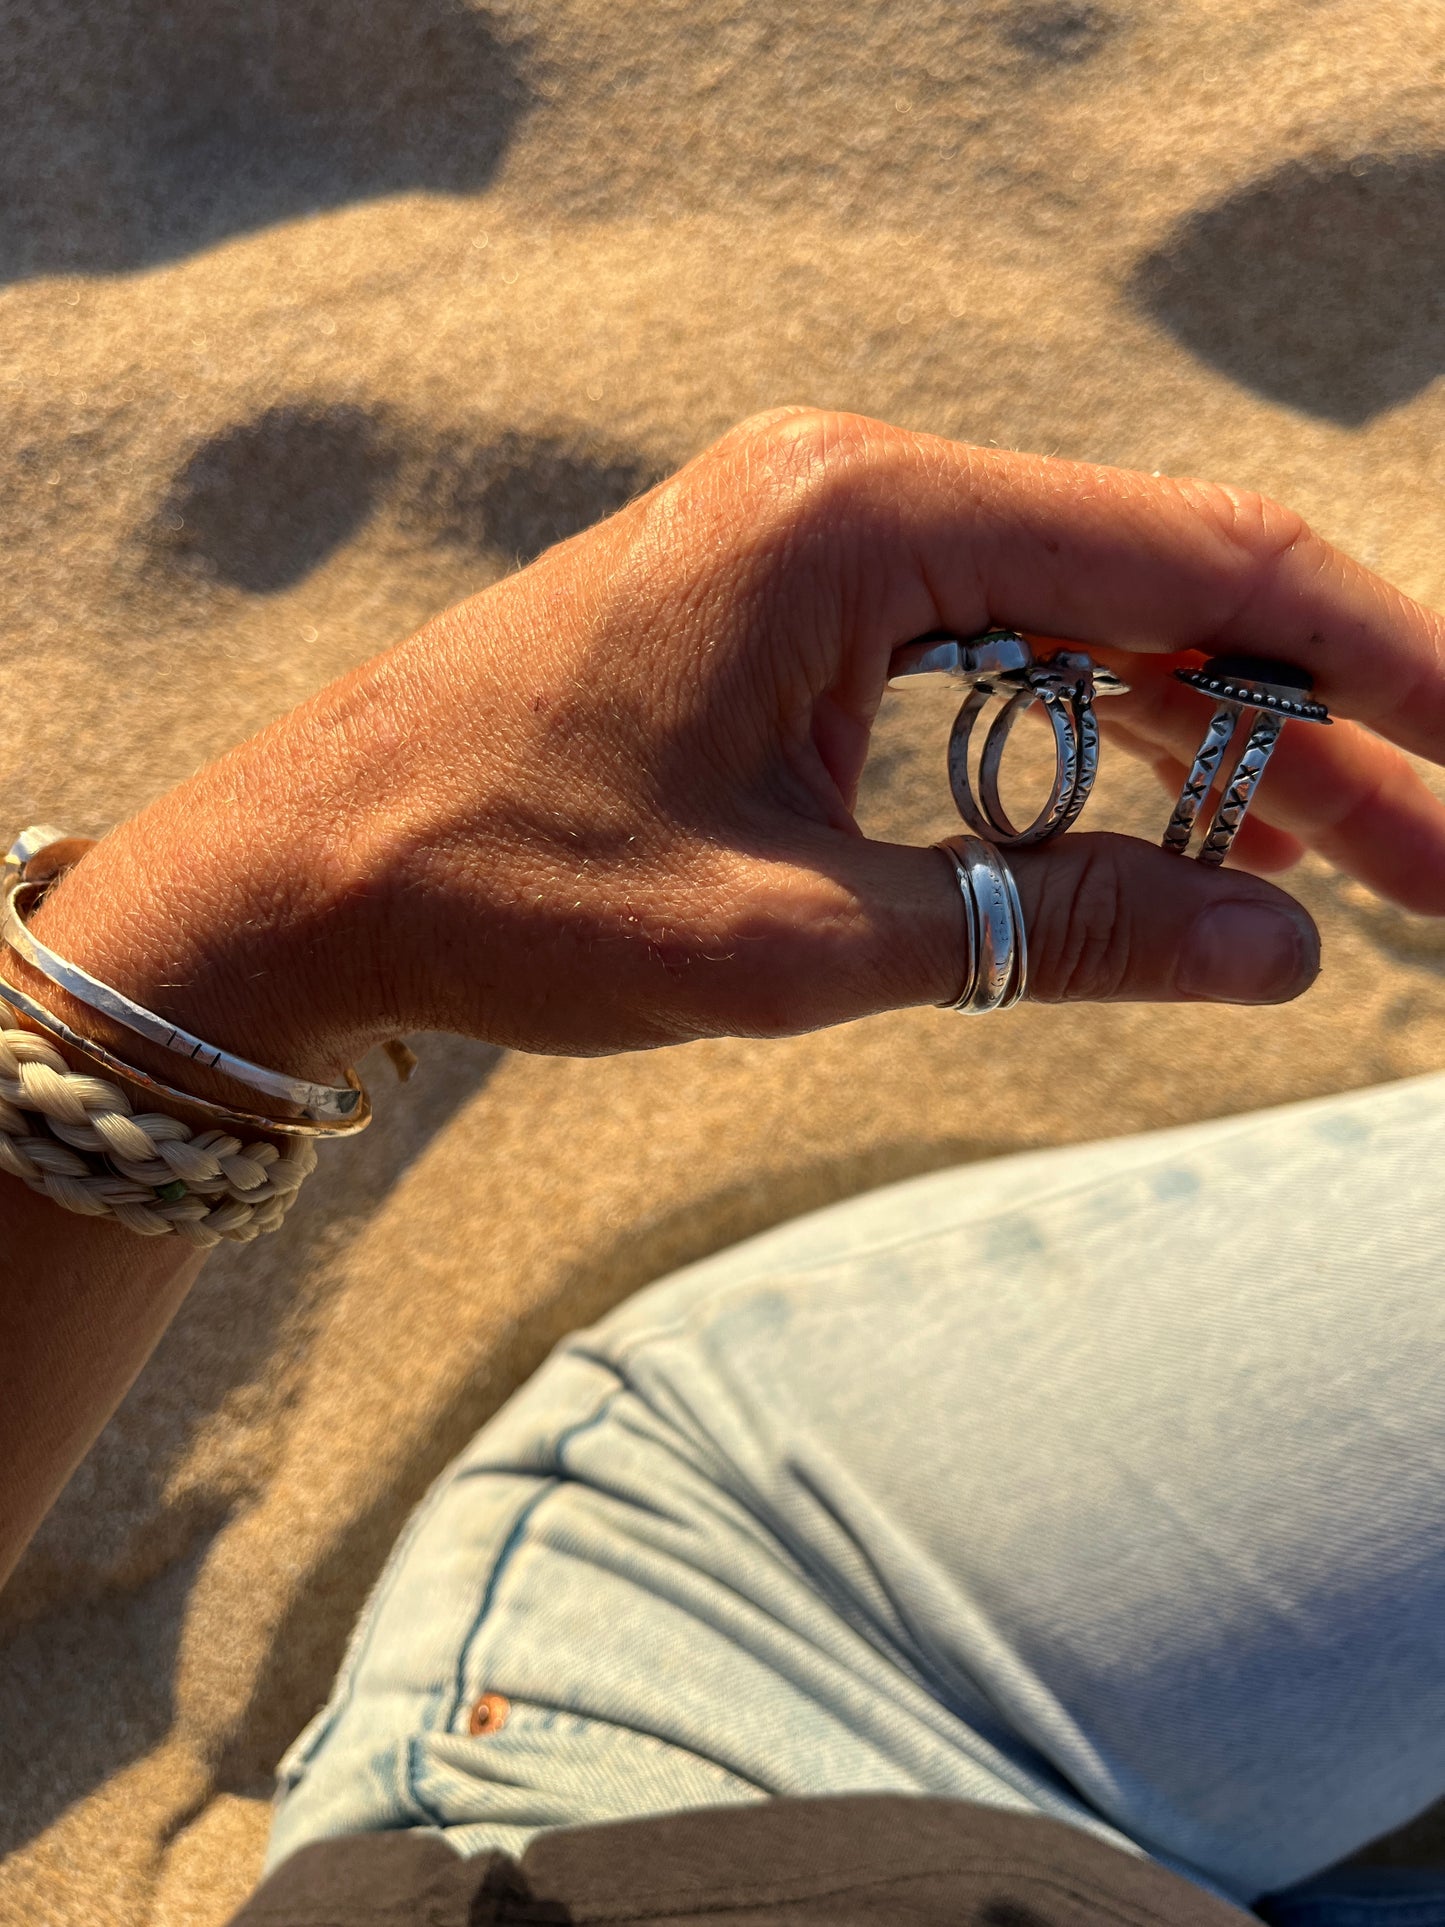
(790, 490)
(1084, 945)
(755, 427)
(811, 433)
(768, 480)
(816, 495)
(806, 459)
(1255, 526)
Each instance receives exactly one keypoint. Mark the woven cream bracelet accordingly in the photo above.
(94, 1155)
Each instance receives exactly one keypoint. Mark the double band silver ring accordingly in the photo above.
(997, 972)
(1271, 694)
(1001, 663)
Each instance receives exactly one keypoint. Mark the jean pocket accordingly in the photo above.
(294, 1760)
(545, 1767)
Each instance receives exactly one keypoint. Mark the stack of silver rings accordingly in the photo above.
(1254, 698)
(998, 951)
(1001, 663)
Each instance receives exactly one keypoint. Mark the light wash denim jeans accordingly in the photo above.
(1106, 1483)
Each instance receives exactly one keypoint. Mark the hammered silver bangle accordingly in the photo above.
(325, 1103)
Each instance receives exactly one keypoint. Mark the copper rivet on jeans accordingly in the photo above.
(489, 1715)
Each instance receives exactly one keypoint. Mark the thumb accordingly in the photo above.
(1109, 919)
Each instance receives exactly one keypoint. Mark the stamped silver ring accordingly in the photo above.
(1270, 693)
(1001, 663)
(996, 973)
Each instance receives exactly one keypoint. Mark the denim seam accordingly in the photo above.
(779, 1272)
(1222, 1131)
(503, 1559)
(990, 1750)
(614, 1730)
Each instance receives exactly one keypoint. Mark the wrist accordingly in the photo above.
(223, 918)
(325, 886)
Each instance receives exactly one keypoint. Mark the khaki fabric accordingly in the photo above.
(788, 1863)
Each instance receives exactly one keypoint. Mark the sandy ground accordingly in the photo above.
(316, 317)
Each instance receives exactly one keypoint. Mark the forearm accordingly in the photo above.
(218, 908)
(83, 1304)
(274, 905)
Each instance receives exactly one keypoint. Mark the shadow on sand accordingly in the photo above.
(1319, 286)
(138, 133)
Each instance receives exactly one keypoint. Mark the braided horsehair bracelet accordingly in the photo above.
(151, 1173)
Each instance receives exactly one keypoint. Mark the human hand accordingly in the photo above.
(609, 803)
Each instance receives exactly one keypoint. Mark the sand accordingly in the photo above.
(315, 318)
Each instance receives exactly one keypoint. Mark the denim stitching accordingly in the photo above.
(509, 1546)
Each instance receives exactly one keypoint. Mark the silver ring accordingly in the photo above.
(1069, 712)
(997, 971)
(1065, 686)
(1274, 693)
(1000, 662)
(940, 657)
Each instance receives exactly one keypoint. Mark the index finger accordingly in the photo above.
(1144, 562)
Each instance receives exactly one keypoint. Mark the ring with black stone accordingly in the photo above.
(1272, 693)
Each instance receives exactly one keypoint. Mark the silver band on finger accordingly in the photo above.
(1243, 780)
(997, 970)
(1271, 694)
(1062, 719)
(1065, 685)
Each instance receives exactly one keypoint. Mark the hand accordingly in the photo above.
(608, 804)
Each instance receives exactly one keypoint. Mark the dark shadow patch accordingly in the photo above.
(1058, 33)
(1321, 286)
(58, 1742)
(1420, 1843)
(519, 494)
(1009, 1913)
(140, 132)
(260, 505)
(504, 1893)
